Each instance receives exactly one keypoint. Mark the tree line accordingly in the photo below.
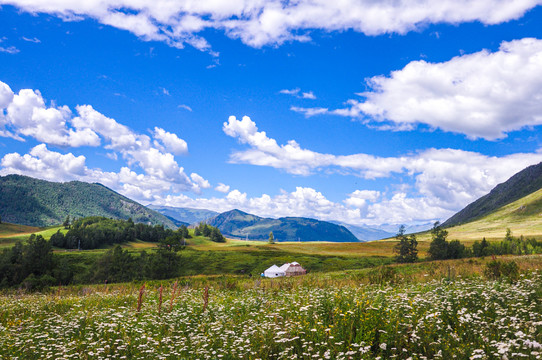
(441, 248)
(204, 229)
(33, 265)
(96, 231)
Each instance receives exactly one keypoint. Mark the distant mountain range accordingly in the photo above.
(194, 216)
(238, 224)
(363, 233)
(518, 186)
(28, 201)
(409, 229)
(186, 215)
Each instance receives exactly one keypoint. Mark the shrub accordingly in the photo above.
(498, 269)
(383, 275)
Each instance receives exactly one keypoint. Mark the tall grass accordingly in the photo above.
(421, 311)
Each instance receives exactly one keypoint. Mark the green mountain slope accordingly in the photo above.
(186, 215)
(28, 201)
(518, 186)
(239, 224)
(522, 217)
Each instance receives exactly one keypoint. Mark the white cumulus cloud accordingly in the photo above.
(223, 188)
(482, 95)
(258, 23)
(170, 141)
(445, 180)
(26, 115)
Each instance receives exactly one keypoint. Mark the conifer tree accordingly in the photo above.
(406, 249)
(271, 238)
(438, 249)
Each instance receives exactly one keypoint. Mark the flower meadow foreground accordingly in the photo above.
(463, 319)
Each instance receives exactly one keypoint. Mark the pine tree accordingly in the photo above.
(438, 249)
(66, 222)
(271, 238)
(406, 249)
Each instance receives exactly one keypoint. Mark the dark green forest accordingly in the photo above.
(33, 264)
(28, 201)
(96, 232)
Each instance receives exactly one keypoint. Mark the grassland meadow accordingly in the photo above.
(461, 318)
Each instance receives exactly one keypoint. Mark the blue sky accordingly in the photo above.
(364, 112)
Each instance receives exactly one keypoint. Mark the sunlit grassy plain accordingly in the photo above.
(428, 310)
(367, 310)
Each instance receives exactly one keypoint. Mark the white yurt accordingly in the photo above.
(273, 272)
(293, 269)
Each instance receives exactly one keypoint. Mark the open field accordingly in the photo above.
(10, 233)
(8, 230)
(424, 311)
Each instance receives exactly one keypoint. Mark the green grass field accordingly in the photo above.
(444, 309)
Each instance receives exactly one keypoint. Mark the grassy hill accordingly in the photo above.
(238, 224)
(522, 217)
(28, 201)
(518, 186)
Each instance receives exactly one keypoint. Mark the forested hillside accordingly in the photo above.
(28, 201)
(239, 224)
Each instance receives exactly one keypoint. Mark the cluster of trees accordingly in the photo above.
(31, 263)
(119, 265)
(441, 249)
(96, 231)
(407, 248)
(510, 245)
(209, 231)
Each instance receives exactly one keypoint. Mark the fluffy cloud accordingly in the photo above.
(359, 198)
(223, 188)
(445, 180)
(482, 95)
(273, 22)
(199, 181)
(266, 152)
(303, 201)
(26, 115)
(46, 164)
(171, 142)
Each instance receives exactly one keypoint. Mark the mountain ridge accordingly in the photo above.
(521, 184)
(238, 224)
(29, 201)
(184, 214)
